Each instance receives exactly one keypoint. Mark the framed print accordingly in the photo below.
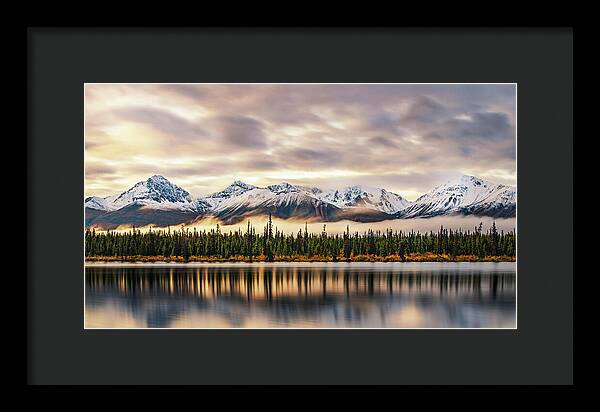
(301, 205)
(262, 205)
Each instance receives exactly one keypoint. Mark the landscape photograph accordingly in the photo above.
(300, 206)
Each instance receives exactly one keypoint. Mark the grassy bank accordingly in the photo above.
(413, 257)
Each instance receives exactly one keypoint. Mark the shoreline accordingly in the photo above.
(412, 258)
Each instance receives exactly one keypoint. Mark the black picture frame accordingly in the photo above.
(61, 60)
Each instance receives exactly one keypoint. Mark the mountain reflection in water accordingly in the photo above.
(437, 295)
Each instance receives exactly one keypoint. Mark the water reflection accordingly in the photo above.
(375, 295)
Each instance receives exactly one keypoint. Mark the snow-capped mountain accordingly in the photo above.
(158, 201)
(101, 203)
(237, 188)
(501, 202)
(156, 192)
(465, 195)
(153, 201)
(365, 197)
(282, 200)
(285, 200)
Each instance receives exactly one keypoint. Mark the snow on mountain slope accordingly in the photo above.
(285, 200)
(467, 195)
(285, 194)
(273, 199)
(247, 198)
(158, 199)
(235, 189)
(286, 204)
(100, 203)
(240, 194)
(156, 192)
(365, 197)
(500, 202)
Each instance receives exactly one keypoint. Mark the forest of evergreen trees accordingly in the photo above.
(273, 245)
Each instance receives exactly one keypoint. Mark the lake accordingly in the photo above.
(301, 295)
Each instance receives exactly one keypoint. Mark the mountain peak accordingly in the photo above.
(283, 187)
(236, 188)
(240, 184)
(156, 189)
(157, 178)
(467, 195)
(468, 179)
(463, 195)
(359, 196)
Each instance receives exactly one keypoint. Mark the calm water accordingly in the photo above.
(317, 295)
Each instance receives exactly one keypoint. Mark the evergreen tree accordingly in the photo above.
(273, 243)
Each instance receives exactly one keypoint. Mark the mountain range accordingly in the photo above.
(159, 202)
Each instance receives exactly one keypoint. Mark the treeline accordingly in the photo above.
(272, 244)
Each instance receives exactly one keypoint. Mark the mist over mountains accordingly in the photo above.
(156, 201)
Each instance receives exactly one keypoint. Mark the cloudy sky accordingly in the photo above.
(405, 138)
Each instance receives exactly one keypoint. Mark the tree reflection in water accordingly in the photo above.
(297, 296)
